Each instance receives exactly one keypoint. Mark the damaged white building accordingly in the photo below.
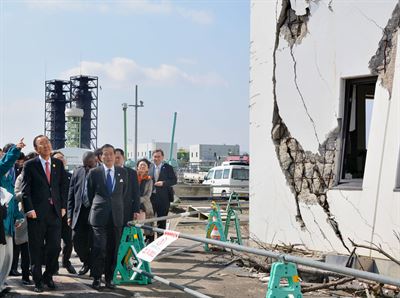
(325, 124)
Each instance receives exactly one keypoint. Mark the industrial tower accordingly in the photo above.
(71, 112)
(84, 95)
(57, 93)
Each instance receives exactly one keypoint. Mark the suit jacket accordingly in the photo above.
(36, 190)
(104, 205)
(132, 198)
(75, 194)
(164, 194)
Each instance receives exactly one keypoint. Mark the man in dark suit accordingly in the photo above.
(106, 190)
(132, 199)
(44, 194)
(78, 213)
(164, 178)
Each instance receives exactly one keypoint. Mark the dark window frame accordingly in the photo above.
(397, 185)
(350, 84)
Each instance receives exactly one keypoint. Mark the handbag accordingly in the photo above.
(21, 233)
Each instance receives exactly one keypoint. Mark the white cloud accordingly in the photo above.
(165, 7)
(198, 16)
(121, 72)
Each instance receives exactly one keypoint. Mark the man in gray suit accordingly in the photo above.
(78, 213)
(106, 190)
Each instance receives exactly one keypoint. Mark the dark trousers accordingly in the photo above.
(66, 236)
(24, 250)
(105, 247)
(82, 237)
(44, 244)
(161, 208)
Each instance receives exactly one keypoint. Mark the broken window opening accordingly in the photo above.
(397, 186)
(358, 107)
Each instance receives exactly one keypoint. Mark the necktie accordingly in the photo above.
(109, 182)
(156, 173)
(48, 171)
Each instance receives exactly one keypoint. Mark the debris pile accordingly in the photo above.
(313, 281)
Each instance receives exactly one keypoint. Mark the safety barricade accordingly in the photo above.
(132, 242)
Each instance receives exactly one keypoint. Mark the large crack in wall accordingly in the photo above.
(309, 175)
(383, 62)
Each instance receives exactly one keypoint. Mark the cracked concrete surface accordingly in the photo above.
(309, 175)
(293, 21)
(383, 62)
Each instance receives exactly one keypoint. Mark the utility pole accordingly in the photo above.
(171, 148)
(136, 118)
(136, 106)
(124, 108)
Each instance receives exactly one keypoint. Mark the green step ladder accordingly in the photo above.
(287, 271)
(132, 242)
(214, 220)
(231, 213)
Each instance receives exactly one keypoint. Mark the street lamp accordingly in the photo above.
(124, 108)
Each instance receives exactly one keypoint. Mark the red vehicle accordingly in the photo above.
(243, 159)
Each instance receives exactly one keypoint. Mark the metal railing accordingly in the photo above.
(171, 284)
(287, 258)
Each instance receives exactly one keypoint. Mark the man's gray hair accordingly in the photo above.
(87, 155)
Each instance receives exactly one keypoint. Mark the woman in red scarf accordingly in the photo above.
(146, 189)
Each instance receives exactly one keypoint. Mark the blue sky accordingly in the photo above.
(190, 57)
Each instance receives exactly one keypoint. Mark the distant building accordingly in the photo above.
(212, 153)
(145, 150)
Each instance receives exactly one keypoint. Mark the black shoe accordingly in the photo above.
(15, 272)
(96, 284)
(50, 283)
(110, 285)
(85, 268)
(5, 291)
(38, 287)
(70, 268)
(26, 281)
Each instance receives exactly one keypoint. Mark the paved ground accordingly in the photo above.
(209, 273)
(213, 274)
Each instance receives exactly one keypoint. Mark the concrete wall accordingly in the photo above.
(297, 80)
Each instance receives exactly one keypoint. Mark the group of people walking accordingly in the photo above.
(86, 209)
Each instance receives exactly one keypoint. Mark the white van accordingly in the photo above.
(227, 178)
